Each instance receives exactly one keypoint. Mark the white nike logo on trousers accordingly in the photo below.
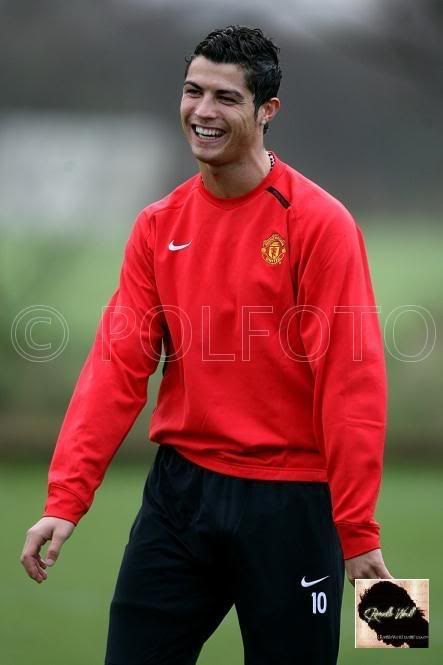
(174, 248)
(306, 584)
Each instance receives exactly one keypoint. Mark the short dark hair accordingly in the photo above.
(249, 48)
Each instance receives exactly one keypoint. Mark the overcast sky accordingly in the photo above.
(290, 15)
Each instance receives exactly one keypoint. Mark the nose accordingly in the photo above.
(205, 108)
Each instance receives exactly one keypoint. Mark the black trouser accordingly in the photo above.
(204, 541)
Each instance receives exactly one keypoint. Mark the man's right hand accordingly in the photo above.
(56, 530)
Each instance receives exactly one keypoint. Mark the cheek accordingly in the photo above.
(245, 123)
(245, 129)
(185, 110)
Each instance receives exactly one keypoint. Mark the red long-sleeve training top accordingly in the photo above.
(275, 365)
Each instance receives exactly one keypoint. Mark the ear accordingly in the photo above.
(269, 110)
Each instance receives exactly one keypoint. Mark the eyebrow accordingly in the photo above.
(235, 93)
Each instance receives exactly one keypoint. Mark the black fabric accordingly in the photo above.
(279, 196)
(203, 542)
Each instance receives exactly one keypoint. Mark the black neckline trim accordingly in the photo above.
(285, 203)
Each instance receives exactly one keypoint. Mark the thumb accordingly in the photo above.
(54, 550)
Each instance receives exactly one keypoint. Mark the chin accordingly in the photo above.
(205, 156)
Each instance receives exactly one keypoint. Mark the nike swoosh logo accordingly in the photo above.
(306, 584)
(174, 248)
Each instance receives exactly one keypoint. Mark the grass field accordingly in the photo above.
(64, 620)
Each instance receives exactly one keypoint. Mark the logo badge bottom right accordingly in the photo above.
(392, 614)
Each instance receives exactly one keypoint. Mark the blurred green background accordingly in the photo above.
(89, 134)
(77, 274)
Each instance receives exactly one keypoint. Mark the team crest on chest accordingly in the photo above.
(273, 249)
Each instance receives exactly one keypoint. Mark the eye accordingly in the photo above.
(192, 91)
(228, 100)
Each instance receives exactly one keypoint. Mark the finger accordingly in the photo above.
(53, 550)
(33, 543)
(32, 567)
(40, 577)
(31, 549)
(351, 576)
(383, 573)
(37, 566)
(41, 570)
(42, 563)
(37, 573)
(33, 563)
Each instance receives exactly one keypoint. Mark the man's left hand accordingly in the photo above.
(369, 565)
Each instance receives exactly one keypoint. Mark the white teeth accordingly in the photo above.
(204, 131)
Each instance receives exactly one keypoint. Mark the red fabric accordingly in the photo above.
(275, 367)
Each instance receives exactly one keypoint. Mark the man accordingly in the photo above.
(272, 407)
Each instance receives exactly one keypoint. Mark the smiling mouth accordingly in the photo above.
(208, 135)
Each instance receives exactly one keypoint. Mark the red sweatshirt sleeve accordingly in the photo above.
(112, 386)
(340, 331)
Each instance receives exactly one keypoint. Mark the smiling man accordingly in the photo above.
(271, 412)
(224, 121)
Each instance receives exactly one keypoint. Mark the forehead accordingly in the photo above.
(217, 75)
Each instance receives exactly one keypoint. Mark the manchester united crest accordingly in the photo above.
(273, 249)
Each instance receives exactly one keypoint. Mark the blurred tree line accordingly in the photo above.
(362, 107)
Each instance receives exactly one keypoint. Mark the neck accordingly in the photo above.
(237, 178)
